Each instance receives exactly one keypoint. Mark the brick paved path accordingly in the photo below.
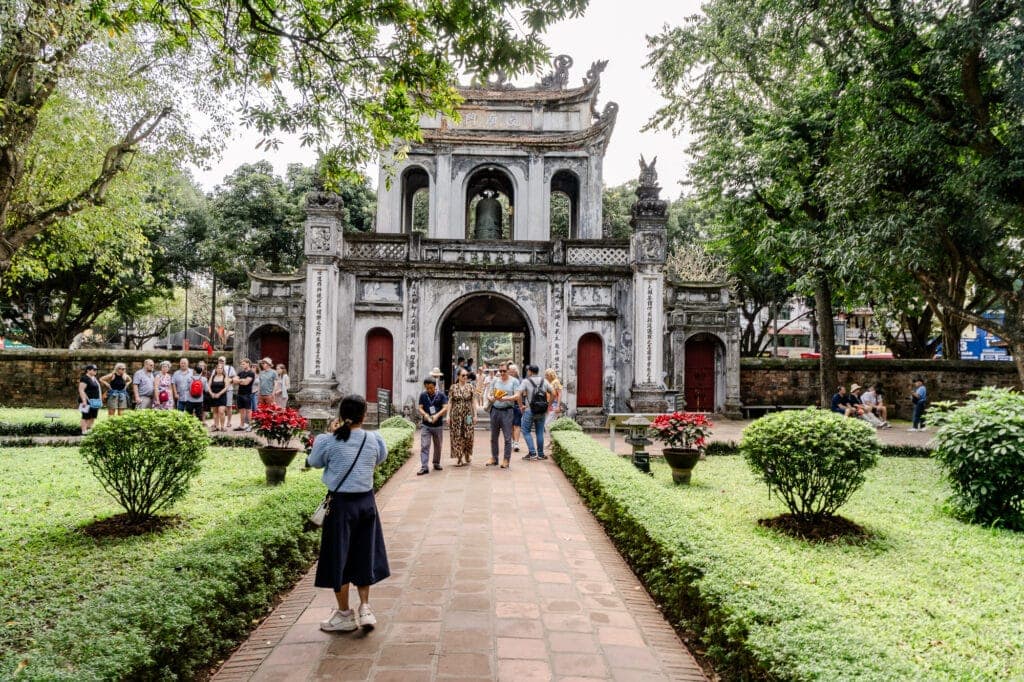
(495, 575)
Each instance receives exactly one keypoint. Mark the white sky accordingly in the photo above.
(612, 30)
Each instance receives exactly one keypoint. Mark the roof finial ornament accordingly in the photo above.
(560, 78)
(595, 71)
(648, 175)
(499, 81)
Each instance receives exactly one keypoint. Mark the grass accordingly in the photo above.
(927, 597)
(25, 415)
(80, 608)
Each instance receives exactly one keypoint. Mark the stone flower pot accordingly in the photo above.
(276, 460)
(682, 461)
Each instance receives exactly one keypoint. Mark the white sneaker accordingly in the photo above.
(340, 621)
(366, 618)
(912, 428)
(515, 446)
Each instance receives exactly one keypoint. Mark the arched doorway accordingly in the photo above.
(699, 373)
(590, 370)
(484, 313)
(380, 356)
(270, 341)
(494, 185)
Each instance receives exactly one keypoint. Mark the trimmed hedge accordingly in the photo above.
(39, 428)
(193, 605)
(767, 606)
(731, 449)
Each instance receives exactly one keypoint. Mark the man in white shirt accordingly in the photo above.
(502, 398)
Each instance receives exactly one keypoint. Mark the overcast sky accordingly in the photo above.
(612, 30)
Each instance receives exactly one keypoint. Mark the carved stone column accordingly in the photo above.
(323, 246)
(648, 249)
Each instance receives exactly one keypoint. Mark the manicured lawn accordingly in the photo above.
(24, 415)
(197, 585)
(927, 598)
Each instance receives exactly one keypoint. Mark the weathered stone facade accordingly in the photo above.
(381, 309)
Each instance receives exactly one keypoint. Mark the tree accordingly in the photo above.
(757, 86)
(351, 78)
(616, 205)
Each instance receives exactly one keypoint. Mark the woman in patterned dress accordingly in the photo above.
(462, 418)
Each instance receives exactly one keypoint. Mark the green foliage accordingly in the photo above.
(399, 442)
(160, 606)
(981, 449)
(813, 459)
(146, 459)
(39, 428)
(565, 424)
(767, 606)
(397, 422)
(729, 448)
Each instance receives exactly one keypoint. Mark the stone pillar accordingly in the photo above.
(443, 226)
(324, 245)
(648, 249)
(538, 226)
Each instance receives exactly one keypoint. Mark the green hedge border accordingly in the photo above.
(196, 604)
(730, 448)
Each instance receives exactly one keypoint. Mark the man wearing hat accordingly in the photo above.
(433, 406)
(859, 409)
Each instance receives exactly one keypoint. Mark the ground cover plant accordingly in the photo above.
(160, 605)
(925, 597)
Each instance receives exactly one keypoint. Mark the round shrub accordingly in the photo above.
(145, 459)
(813, 459)
(980, 446)
(397, 422)
(565, 424)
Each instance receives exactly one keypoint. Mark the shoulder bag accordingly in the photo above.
(318, 516)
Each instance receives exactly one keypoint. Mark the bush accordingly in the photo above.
(565, 424)
(813, 459)
(146, 459)
(981, 449)
(397, 422)
(39, 428)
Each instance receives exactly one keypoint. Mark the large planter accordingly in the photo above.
(276, 460)
(682, 461)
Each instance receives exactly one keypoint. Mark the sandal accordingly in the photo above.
(492, 464)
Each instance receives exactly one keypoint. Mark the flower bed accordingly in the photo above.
(156, 606)
(926, 598)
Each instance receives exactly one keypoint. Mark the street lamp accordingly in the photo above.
(638, 426)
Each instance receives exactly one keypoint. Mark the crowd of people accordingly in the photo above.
(213, 392)
(516, 408)
(870, 406)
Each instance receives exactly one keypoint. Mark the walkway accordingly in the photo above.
(495, 575)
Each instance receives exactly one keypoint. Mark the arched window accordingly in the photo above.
(490, 204)
(415, 200)
(565, 205)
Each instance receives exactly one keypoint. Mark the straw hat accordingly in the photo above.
(854, 387)
(436, 372)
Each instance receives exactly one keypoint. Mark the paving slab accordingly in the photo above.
(496, 575)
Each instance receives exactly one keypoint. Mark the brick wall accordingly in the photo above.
(49, 378)
(773, 381)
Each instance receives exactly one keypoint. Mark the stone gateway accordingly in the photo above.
(463, 247)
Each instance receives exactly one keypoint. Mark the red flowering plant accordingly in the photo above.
(682, 429)
(278, 424)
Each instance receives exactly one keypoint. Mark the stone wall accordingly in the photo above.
(49, 378)
(773, 381)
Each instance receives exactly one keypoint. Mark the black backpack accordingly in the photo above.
(539, 399)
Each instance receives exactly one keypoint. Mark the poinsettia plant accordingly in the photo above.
(278, 424)
(682, 429)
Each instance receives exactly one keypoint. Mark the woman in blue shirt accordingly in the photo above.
(352, 545)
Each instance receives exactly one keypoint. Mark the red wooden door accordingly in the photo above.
(590, 364)
(379, 362)
(699, 377)
(275, 346)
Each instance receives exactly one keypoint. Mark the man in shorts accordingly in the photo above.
(243, 397)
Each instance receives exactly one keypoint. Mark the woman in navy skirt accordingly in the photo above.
(352, 546)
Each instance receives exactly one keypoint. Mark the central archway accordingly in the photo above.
(485, 312)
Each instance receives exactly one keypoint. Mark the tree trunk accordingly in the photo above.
(213, 310)
(1017, 348)
(829, 372)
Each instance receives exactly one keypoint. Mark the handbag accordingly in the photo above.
(320, 514)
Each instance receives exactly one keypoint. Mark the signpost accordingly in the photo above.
(680, 402)
(383, 404)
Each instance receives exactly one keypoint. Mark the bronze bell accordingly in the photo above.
(488, 218)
